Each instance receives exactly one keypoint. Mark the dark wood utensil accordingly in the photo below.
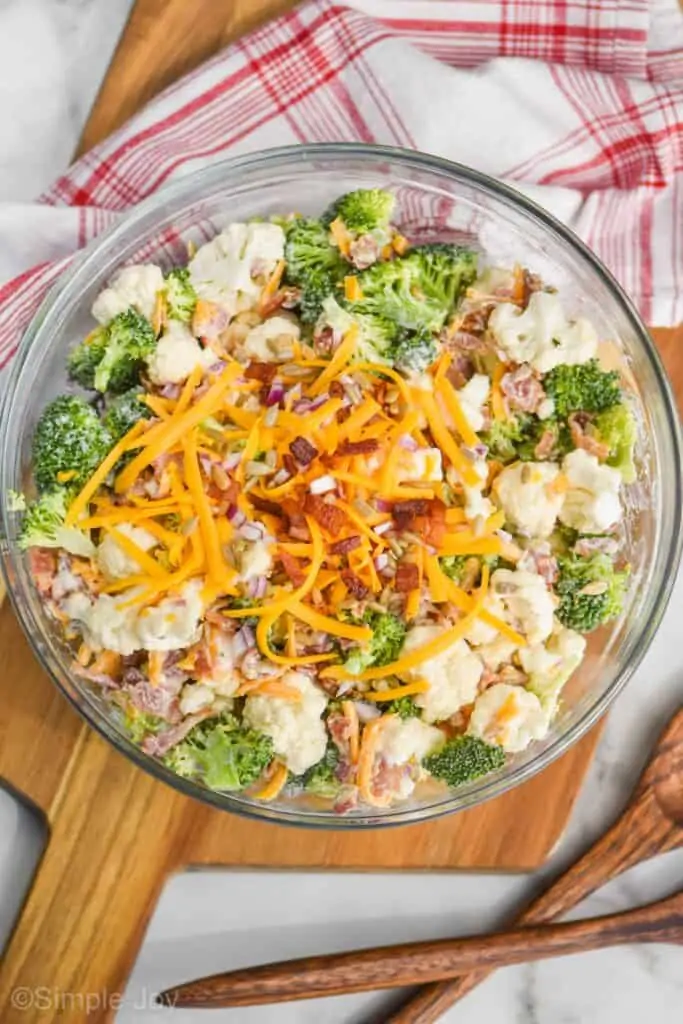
(416, 962)
(651, 823)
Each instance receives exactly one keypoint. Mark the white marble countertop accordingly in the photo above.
(53, 54)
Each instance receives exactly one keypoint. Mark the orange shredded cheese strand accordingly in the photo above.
(359, 417)
(159, 406)
(352, 289)
(328, 625)
(412, 606)
(396, 692)
(341, 236)
(444, 438)
(448, 394)
(79, 504)
(262, 631)
(463, 601)
(145, 561)
(189, 389)
(337, 362)
(272, 285)
(455, 544)
(207, 523)
(274, 785)
(497, 401)
(386, 371)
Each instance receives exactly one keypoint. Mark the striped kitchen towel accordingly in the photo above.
(578, 103)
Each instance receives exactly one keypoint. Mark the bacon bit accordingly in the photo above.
(303, 451)
(209, 319)
(342, 547)
(432, 527)
(530, 283)
(578, 424)
(363, 253)
(407, 577)
(260, 371)
(405, 512)
(292, 567)
(264, 505)
(353, 584)
(371, 444)
(289, 463)
(343, 414)
(328, 516)
(523, 389)
(43, 565)
(336, 389)
(545, 446)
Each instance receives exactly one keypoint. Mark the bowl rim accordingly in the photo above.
(280, 157)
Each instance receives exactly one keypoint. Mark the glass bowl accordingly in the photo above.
(435, 198)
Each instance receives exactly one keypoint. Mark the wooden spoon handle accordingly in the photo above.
(412, 963)
(643, 830)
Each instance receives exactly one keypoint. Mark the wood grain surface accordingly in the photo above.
(115, 833)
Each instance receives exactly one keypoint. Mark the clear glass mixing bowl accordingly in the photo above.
(436, 199)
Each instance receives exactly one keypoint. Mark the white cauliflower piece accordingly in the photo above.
(473, 397)
(135, 286)
(174, 622)
(541, 334)
(195, 697)
(423, 464)
(591, 504)
(509, 717)
(529, 605)
(255, 560)
(452, 675)
(295, 727)
(480, 632)
(550, 665)
(106, 625)
(224, 269)
(529, 496)
(404, 740)
(114, 562)
(259, 342)
(497, 652)
(176, 355)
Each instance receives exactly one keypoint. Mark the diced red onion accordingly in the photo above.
(302, 405)
(318, 402)
(232, 460)
(382, 528)
(206, 463)
(252, 531)
(479, 451)
(322, 484)
(239, 645)
(236, 516)
(366, 711)
(256, 587)
(276, 393)
(247, 634)
(408, 443)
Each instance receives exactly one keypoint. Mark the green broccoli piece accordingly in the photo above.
(417, 291)
(124, 412)
(617, 428)
(404, 707)
(181, 298)
(463, 759)
(139, 724)
(321, 779)
(414, 351)
(365, 211)
(582, 388)
(222, 754)
(388, 634)
(69, 443)
(455, 566)
(503, 436)
(43, 526)
(376, 336)
(313, 264)
(590, 590)
(83, 360)
(130, 338)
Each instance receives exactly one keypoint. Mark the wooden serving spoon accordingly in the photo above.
(651, 823)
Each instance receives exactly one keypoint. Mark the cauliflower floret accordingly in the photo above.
(473, 398)
(476, 505)
(174, 622)
(135, 286)
(409, 739)
(295, 727)
(255, 561)
(508, 716)
(423, 464)
(260, 342)
(528, 495)
(176, 355)
(195, 697)
(114, 562)
(542, 335)
(108, 626)
(224, 269)
(529, 605)
(591, 504)
(452, 675)
(550, 665)
(480, 632)
(497, 652)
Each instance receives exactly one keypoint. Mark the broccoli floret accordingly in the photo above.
(130, 338)
(69, 444)
(463, 759)
(86, 357)
(222, 754)
(417, 291)
(503, 436)
(238, 603)
(181, 298)
(582, 388)
(375, 342)
(313, 264)
(517, 438)
(458, 566)
(124, 412)
(139, 724)
(414, 351)
(43, 526)
(365, 211)
(388, 634)
(404, 707)
(321, 779)
(590, 590)
(617, 428)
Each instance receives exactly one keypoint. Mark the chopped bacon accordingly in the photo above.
(530, 283)
(460, 371)
(540, 560)
(405, 512)
(154, 700)
(545, 446)
(353, 584)
(292, 567)
(342, 547)
(336, 389)
(303, 451)
(287, 298)
(371, 444)
(330, 517)
(407, 577)
(323, 340)
(364, 251)
(431, 527)
(162, 742)
(260, 371)
(43, 566)
(523, 389)
(578, 424)
(264, 505)
(347, 800)
(587, 546)
(209, 319)
(289, 463)
(339, 727)
(343, 414)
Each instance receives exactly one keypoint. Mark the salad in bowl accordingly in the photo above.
(331, 512)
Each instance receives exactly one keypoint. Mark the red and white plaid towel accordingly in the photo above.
(579, 103)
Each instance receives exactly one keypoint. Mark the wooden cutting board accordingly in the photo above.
(115, 833)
